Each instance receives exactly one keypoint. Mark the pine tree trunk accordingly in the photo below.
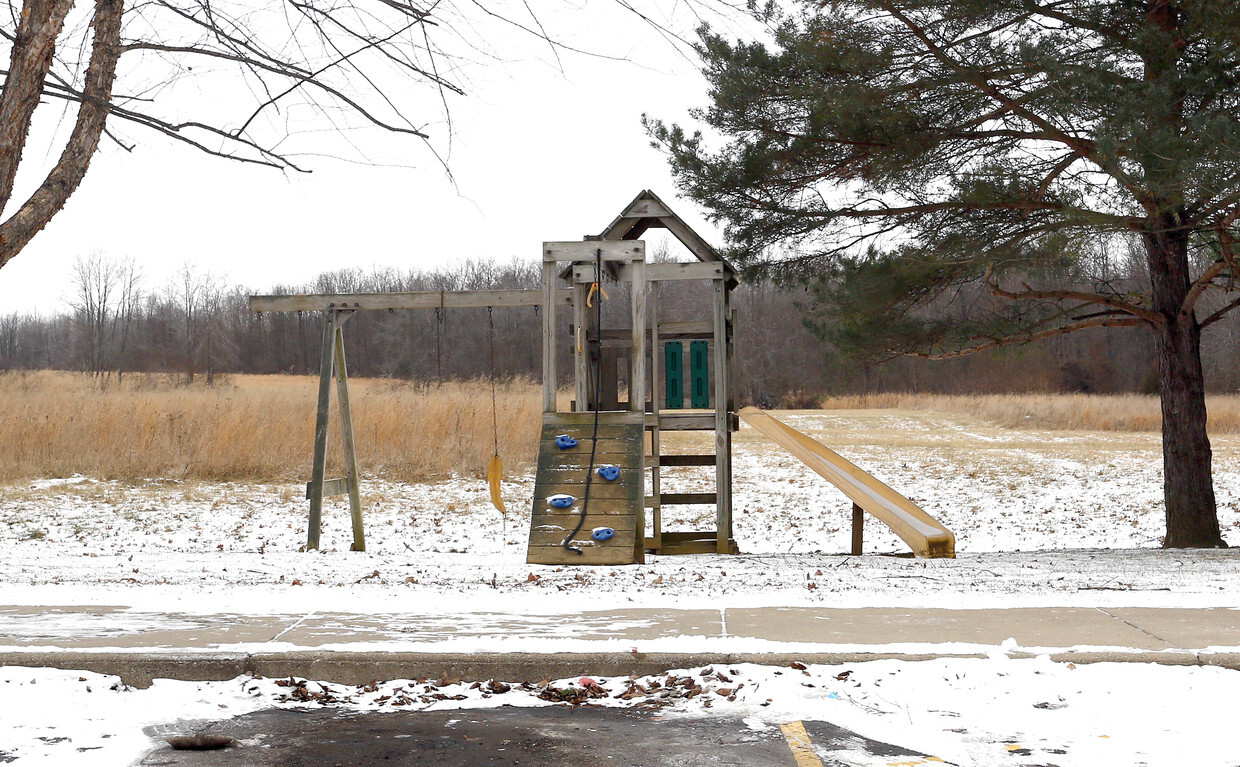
(1188, 488)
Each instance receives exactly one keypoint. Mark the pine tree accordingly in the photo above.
(947, 175)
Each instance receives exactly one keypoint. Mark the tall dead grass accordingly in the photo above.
(1066, 412)
(253, 428)
(260, 428)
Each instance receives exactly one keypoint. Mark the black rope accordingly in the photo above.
(438, 333)
(491, 363)
(598, 387)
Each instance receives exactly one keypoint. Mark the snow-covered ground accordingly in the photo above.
(1041, 518)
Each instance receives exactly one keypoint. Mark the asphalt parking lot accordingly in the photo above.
(509, 737)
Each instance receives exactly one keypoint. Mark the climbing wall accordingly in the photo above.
(617, 505)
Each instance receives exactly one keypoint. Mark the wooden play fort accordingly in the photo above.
(635, 375)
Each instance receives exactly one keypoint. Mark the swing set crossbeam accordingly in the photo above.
(417, 299)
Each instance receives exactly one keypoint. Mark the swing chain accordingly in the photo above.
(491, 361)
(439, 323)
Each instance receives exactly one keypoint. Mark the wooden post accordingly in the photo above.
(583, 386)
(729, 377)
(656, 506)
(346, 431)
(637, 357)
(723, 435)
(548, 308)
(858, 529)
(319, 468)
(637, 389)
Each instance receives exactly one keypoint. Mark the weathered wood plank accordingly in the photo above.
(561, 464)
(637, 359)
(621, 418)
(642, 208)
(669, 461)
(418, 299)
(346, 432)
(699, 421)
(595, 555)
(606, 427)
(564, 523)
(656, 376)
(621, 452)
(696, 546)
(689, 238)
(609, 506)
(676, 536)
(667, 272)
(622, 538)
(699, 499)
(668, 331)
(581, 349)
(548, 302)
(576, 475)
(331, 487)
(598, 491)
(319, 468)
(612, 250)
(723, 467)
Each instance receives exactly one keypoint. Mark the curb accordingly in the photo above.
(357, 668)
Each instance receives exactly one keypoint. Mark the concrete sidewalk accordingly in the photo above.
(357, 648)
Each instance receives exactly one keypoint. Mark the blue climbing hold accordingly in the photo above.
(609, 473)
(564, 442)
(561, 501)
(602, 533)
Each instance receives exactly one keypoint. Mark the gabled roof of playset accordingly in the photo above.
(647, 211)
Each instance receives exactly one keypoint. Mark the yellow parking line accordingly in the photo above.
(798, 742)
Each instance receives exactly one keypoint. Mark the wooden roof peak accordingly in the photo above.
(647, 211)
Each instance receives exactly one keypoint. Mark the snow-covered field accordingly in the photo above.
(1041, 518)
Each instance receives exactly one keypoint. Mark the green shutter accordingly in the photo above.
(699, 374)
(674, 377)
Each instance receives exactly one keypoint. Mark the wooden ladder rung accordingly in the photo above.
(667, 499)
(686, 460)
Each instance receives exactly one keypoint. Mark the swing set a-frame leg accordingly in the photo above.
(333, 366)
(346, 432)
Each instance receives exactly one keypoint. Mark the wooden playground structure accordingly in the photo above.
(599, 462)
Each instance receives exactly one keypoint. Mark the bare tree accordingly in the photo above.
(257, 82)
(128, 305)
(94, 284)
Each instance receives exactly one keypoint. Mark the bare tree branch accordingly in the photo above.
(994, 343)
(33, 49)
(67, 174)
(1029, 294)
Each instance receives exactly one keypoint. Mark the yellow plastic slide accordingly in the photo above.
(919, 530)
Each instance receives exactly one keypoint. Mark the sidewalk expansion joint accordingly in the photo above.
(1149, 634)
(298, 622)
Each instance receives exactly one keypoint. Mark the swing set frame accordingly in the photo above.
(337, 309)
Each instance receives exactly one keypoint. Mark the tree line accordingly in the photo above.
(196, 326)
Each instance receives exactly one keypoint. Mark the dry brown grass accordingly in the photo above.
(260, 428)
(252, 428)
(1067, 412)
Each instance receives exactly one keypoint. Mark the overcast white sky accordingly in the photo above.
(537, 154)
